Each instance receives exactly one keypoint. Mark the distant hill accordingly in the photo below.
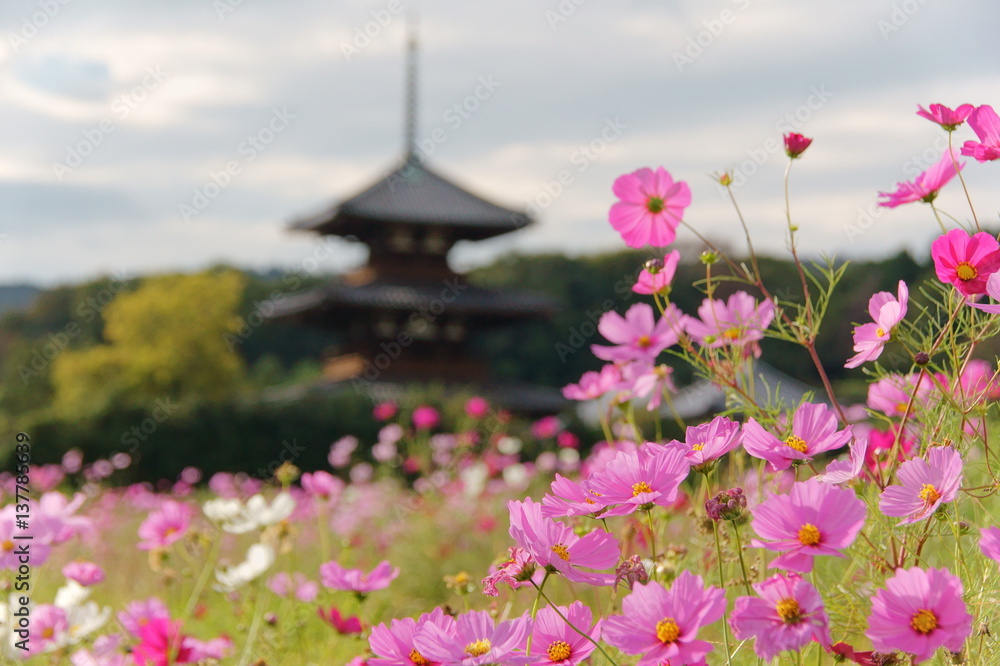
(17, 296)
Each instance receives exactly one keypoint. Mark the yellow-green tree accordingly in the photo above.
(166, 339)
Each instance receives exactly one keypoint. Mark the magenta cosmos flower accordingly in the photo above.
(593, 385)
(662, 625)
(989, 542)
(842, 471)
(814, 430)
(796, 144)
(926, 485)
(788, 615)
(656, 275)
(337, 577)
(704, 444)
(474, 640)
(638, 336)
(164, 526)
(891, 394)
(738, 322)
(926, 186)
(558, 548)
(652, 381)
(918, 612)
(886, 312)
(554, 643)
(571, 498)
(964, 261)
(813, 519)
(650, 207)
(515, 571)
(993, 291)
(84, 573)
(945, 117)
(394, 644)
(650, 475)
(985, 123)
(426, 417)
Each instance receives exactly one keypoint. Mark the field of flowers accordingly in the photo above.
(813, 533)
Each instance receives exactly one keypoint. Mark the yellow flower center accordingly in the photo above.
(796, 443)
(419, 659)
(901, 407)
(7, 546)
(731, 333)
(655, 204)
(667, 630)
(698, 447)
(929, 494)
(641, 487)
(559, 651)
(966, 271)
(562, 551)
(809, 535)
(924, 621)
(48, 632)
(643, 342)
(880, 332)
(789, 611)
(479, 648)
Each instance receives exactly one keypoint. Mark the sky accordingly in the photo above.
(165, 135)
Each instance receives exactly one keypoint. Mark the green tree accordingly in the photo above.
(166, 339)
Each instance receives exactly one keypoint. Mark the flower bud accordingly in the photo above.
(921, 358)
(727, 505)
(653, 266)
(709, 257)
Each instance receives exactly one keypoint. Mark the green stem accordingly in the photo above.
(722, 584)
(743, 566)
(534, 609)
(652, 541)
(203, 578)
(938, 217)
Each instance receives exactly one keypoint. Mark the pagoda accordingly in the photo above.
(406, 316)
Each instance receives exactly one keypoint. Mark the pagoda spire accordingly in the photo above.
(411, 90)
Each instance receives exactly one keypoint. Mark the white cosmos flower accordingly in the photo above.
(259, 559)
(237, 518)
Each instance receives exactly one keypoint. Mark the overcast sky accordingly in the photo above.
(115, 114)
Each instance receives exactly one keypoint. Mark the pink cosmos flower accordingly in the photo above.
(638, 336)
(993, 291)
(796, 144)
(342, 625)
(891, 394)
(284, 585)
(322, 485)
(978, 382)
(571, 498)
(639, 479)
(384, 411)
(945, 117)
(926, 485)
(985, 123)
(554, 643)
(989, 542)
(964, 261)
(842, 471)
(477, 407)
(656, 275)
(593, 385)
(662, 625)
(926, 186)
(546, 427)
(788, 615)
(161, 644)
(394, 643)
(704, 444)
(886, 311)
(337, 577)
(11, 548)
(426, 417)
(814, 430)
(165, 526)
(650, 207)
(881, 445)
(738, 322)
(46, 477)
(140, 613)
(59, 514)
(652, 381)
(918, 612)
(515, 571)
(557, 547)
(104, 652)
(813, 519)
(50, 626)
(473, 641)
(84, 573)
(202, 651)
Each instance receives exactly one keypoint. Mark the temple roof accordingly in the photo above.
(413, 194)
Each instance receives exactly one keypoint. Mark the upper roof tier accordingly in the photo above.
(412, 194)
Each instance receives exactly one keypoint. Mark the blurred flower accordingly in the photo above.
(84, 573)
(944, 116)
(638, 336)
(72, 461)
(337, 577)
(788, 615)
(322, 485)
(342, 625)
(657, 277)
(986, 124)
(966, 261)
(237, 518)
(593, 385)
(662, 625)
(926, 186)
(796, 144)
(567, 440)
(546, 427)
(881, 444)
(191, 475)
(989, 542)
(341, 450)
(650, 207)
(477, 407)
(426, 417)
(161, 644)
(259, 559)
(283, 585)
(886, 311)
(813, 519)
(384, 411)
(651, 381)
(165, 526)
(139, 613)
(918, 612)
(924, 485)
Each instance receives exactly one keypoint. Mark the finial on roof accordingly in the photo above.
(411, 88)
